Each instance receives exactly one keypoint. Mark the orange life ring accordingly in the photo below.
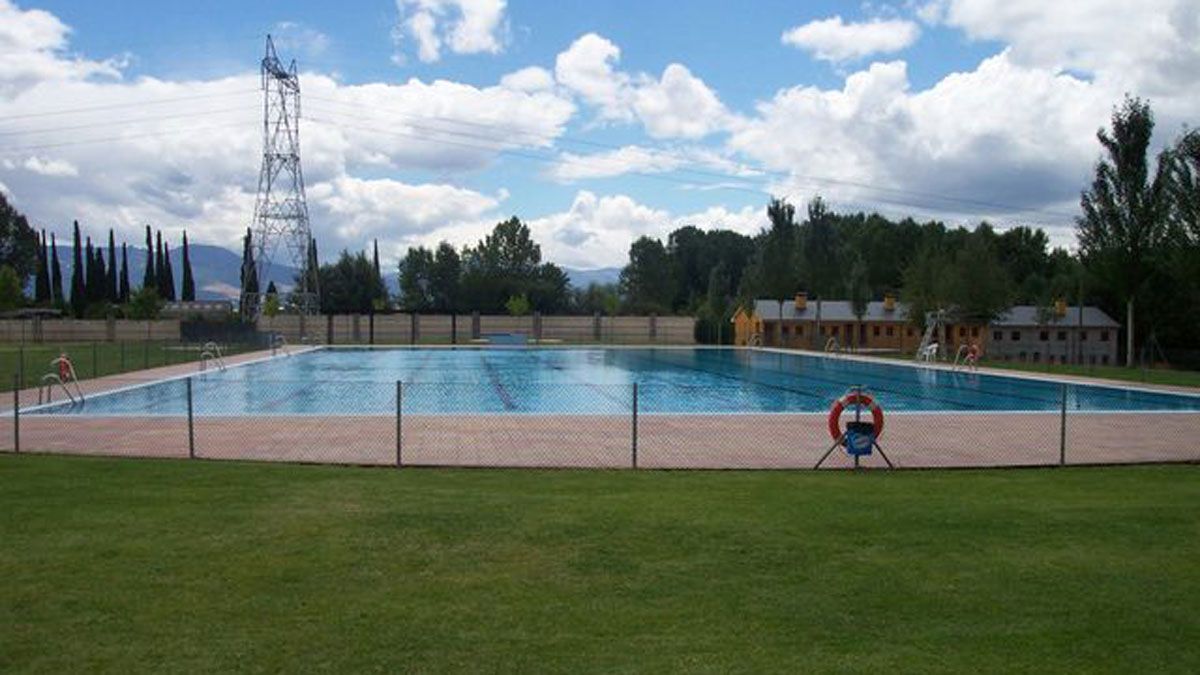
(852, 398)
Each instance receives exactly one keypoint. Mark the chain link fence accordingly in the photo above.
(538, 424)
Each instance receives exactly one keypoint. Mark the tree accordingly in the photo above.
(858, 290)
(123, 290)
(101, 280)
(41, 285)
(979, 288)
(416, 280)
(145, 304)
(517, 305)
(168, 275)
(187, 292)
(927, 282)
(160, 266)
(445, 279)
(12, 290)
(646, 283)
(1123, 225)
(112, 288)
(78, 301)
(776, 260)
(18, 241)
(350, 285)
(380, 302)
(150, 277)
(821, 250)
(56, 284)
(248, 277)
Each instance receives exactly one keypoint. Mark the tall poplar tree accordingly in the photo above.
(41, 284)
(56, 285)
(150, 277)
(168, 275)
(188, 290)
(110, 287)
(123, 291)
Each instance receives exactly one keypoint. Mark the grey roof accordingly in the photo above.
(1028, 315)
(831, 310)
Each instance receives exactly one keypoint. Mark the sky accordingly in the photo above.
(594, 122)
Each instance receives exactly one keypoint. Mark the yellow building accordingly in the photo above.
(804, 324)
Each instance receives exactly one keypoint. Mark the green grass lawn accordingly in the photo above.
(1181, 378)
(137, 565)
(95, 359)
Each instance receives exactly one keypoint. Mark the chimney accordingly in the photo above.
(1060, 308)
(801, 301)
(889, 302)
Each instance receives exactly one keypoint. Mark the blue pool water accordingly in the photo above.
(594, 381)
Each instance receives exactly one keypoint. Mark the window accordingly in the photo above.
(975, 331)
(1092, 359)
(1016, 335)
(1104, 338)
(997, 335)
(785, 330)
(1037, 356)
(891, 330)
(1044, 336)
(799, 331)
(1083, 336)
(1104, 359)
(875, 332)
(833, 331)
(1062, 336)
(962, 331)
(1022, 357)
(911, 332)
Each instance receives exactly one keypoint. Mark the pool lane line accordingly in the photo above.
(501, 392)
(599, 388)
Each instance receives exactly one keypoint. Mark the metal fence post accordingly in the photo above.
(635, 426)
(16, 414)
(399, 419)
(1062, 429)
(95, 362)
(191, 425)
(123, 368)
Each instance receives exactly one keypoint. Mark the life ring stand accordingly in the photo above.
(854, 398)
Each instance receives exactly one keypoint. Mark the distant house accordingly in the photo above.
(808, 324)
(1058, 334)
(204, 309)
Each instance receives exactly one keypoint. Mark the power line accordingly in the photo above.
(93, 125)
(132, 104)
(126, 137)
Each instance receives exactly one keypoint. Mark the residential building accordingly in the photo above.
(1058, 334)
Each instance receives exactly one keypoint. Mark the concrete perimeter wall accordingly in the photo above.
(87, 330)
(463, 328)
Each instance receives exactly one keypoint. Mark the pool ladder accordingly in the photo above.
(49, 380)
(211, 353)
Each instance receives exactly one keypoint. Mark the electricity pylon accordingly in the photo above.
(280, 210)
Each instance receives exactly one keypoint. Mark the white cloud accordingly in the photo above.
(385, 208)
(458, 26)
(185, 154)
(50, 167)
(836, 40)
(588, 68)
(32, 45)
(572, 167)
(292, 37)
(529, 79)
(676, 105)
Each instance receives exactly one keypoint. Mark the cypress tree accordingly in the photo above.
(78, 302)
(160, 267)
(41, 284)
(168, 275)
(249, 276)
(89, 273)
(188, 290)
(110, 286)
(101, 278)
(150, 278)
(56, 287)
(123, 293)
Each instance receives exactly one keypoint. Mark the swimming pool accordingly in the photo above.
(348, 381)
